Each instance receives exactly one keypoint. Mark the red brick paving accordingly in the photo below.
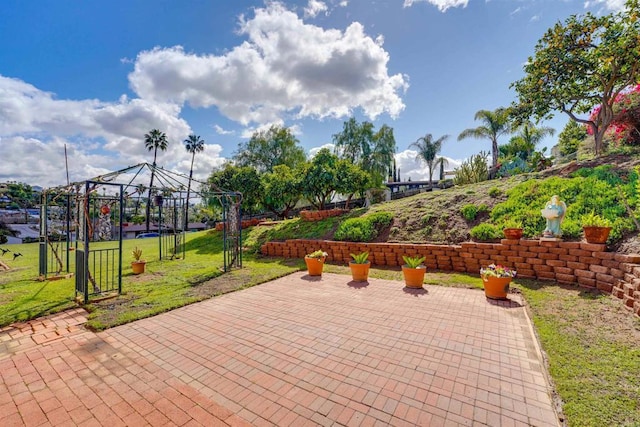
(290, 352)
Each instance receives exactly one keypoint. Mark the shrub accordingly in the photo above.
(363, 229)
(571, 228)
(485, 231)
(469, 212)
(473, 170)
(380, 219)
(355, 230)
(3, 239)
(495, 192)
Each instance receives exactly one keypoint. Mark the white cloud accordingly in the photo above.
(534, 18)
(314, 7)
(100, 136)
(220, 131)
(608, 4)
(314, 150)
(286, 68)
(442, 5)
(204, 162)
(344, 3)
(410, 167)
(47, 168)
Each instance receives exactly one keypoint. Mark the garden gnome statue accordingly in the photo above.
(554, 213)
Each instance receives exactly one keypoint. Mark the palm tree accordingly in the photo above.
(496, 123)
(153, 140)
(194, 145)
(428, 151)
(524, 143)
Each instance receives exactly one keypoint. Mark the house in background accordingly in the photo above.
(131, 231)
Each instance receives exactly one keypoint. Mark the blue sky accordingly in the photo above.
(95, 76)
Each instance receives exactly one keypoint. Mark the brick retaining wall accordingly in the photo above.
(320, 215)
(581, 263)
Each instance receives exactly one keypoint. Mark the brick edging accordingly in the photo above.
(585, 264)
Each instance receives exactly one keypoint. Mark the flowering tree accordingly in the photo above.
(624, 128)
(586, 61)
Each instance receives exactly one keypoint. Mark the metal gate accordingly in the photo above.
(170, 227)
(232, 234)
(99, 253)
(56, 238)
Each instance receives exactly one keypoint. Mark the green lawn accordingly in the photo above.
(593, 347)
(592, 342)
(165, 285)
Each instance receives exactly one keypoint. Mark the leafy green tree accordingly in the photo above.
(381, 160)
(243, 179)
(22, 195)
(523, 145)
(193, 144)
(320, 178)
(351, 179)
(267, 149)
(6, 231)
(571, 137)
(282, 189)
(153, 141)
(372, 151)
(428, 151)
(585, 61)
(495, 124)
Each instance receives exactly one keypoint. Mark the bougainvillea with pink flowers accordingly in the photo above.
(625, 127)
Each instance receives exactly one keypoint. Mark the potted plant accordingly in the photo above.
(512, 229)
(360, 267)
(413, 271)
(315, 262)
(496, 280)
(596, 228)
(137, 265)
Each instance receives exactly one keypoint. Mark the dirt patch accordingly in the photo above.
(147, 277)
(232, 281)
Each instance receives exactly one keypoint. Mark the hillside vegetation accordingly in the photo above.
(480, 211)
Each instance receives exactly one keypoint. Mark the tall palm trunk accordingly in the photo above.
(153, 172)
(494, 153)
(186, 210)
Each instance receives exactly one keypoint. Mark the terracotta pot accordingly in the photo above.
(512, 233)
(596, 234)
(413, 277)
(138, 267)
(360, 272)
(314, 266)
(496, 287)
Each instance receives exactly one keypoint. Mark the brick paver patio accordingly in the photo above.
(295, 351)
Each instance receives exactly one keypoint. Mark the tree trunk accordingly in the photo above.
(346, 205)
(285, 213)
(153, 172)
(186, 210)
(494, 153)
(598, 137)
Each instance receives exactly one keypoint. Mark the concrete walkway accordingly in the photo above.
(295, 351)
